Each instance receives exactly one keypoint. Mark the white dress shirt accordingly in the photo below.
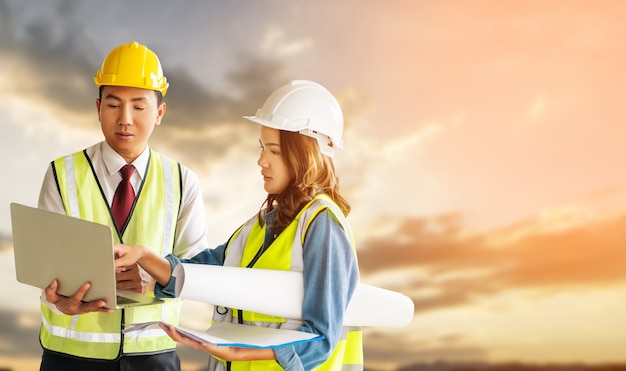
(191, 226)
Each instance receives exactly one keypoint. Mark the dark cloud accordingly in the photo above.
(56, 62)
(60, 62)
(529, 255)
(5, 24)
(252, 79)
(193, 108)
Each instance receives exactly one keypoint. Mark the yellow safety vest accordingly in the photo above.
(152, 224)
(286, 254)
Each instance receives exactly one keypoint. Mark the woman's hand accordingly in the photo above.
(224, 352)
(134, 263)
(127, 256)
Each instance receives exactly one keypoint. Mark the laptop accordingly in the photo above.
(52, 246)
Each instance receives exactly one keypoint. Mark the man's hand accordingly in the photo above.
(74, 304)
(134, 278)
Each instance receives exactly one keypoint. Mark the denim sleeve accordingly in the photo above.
(330, 277)
(207, 256)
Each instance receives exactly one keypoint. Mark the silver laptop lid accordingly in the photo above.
(48, 245)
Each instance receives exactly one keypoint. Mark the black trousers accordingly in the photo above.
(167, 361)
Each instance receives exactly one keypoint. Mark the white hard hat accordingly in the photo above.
(308, 108)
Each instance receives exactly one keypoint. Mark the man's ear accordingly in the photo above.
(98, 107)
(161, 113)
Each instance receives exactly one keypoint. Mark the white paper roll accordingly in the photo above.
(281, 293)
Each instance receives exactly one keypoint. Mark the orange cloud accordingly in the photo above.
(462, 267)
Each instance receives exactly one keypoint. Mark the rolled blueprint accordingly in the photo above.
(281, 293)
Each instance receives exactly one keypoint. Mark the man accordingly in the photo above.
(166, 216)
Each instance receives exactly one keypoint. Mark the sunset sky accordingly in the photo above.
(484, 158)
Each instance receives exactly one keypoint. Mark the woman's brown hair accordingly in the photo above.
(311, 173)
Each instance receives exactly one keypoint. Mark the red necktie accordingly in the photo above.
(124, 197)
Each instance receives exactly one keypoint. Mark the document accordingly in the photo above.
(236, 335)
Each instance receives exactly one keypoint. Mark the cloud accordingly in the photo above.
(457, 268)
(202, 125)
(395, 149)
(53, 63)
(6, 242)
(19, 334)
(379, 347)
(273, 43)
(5, 23)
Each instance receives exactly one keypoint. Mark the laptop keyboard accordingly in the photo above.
(123, 300)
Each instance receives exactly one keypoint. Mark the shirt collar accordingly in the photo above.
(114, 162)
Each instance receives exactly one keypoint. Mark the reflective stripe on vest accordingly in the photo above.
(152, 224)
(286, 254)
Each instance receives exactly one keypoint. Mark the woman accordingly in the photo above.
(300, 227)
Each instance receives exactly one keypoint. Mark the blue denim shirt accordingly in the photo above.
(330, 276)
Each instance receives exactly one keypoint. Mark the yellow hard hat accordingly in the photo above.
(132, 65)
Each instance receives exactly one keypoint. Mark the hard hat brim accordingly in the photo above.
(270, 124)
